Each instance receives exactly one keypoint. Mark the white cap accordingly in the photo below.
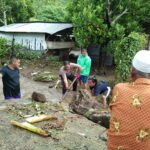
(141, 61)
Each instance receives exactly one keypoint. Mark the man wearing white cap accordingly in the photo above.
(130, 108)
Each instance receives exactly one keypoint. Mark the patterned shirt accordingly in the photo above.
(130, 116)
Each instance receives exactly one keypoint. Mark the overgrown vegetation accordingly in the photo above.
(3, 48)
(32, 10)
(50, 10)
(110, 24)
(102, 21)
(44, 77)
(15, 11)
(7, 50)
(124, 53)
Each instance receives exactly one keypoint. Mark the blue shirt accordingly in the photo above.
(100, 88)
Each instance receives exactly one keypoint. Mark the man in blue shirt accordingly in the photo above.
(100, 87)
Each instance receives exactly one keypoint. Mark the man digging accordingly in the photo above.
(66, 74)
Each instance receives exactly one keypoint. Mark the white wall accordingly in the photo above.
(33, 41)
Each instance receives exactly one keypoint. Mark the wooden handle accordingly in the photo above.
(69, 87)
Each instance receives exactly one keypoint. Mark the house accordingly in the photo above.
(39, 35)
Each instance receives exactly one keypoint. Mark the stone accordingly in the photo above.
(38, 97)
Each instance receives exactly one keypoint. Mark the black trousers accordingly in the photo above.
(70, 77)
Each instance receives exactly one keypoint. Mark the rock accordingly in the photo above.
(38, 97)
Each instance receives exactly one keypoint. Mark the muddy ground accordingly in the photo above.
(75, 132)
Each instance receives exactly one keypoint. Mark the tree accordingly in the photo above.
(100, 21)
(15, 11)
(110, 23)
(50, 10)
(124, 53)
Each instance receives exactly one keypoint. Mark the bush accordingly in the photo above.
(27, 54)
(6, 50)
(53, 58)
(124, 53)
(3, 48)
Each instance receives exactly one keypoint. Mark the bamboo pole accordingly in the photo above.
(30, 127)
(40, 118)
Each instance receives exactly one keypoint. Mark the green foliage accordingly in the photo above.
(87, 18)
(50, 10)
(3, 48)
(28, 54)
(45, 77)
(53, 58)
(115, 25)
(125, 51)
(100, 21)
(16, 10)
(23, 53)
(6, 50)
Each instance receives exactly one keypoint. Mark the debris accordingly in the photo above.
(38, 97)
(27, 116)
(3, 108)
(44, 77)
(64, 106)
(91, 109)
(59, 124)
(40, 118)
(34, 73)
(82, 134)
(30, 127)
(54, 85)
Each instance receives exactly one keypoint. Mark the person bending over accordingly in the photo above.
(99, 87)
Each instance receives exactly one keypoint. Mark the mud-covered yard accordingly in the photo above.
(71, 132)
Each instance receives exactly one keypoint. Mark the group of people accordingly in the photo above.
(83, 68)
(130, 116)
(129, 108)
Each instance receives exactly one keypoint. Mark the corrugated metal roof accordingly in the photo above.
(50, 28)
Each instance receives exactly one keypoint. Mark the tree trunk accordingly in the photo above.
(5, 18)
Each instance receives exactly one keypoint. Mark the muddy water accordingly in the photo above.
(28, 86)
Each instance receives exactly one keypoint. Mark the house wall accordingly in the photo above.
(59, 45)
(33, 41)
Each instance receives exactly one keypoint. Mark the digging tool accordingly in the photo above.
(69, 87)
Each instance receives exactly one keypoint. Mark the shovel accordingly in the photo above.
(69, 88)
